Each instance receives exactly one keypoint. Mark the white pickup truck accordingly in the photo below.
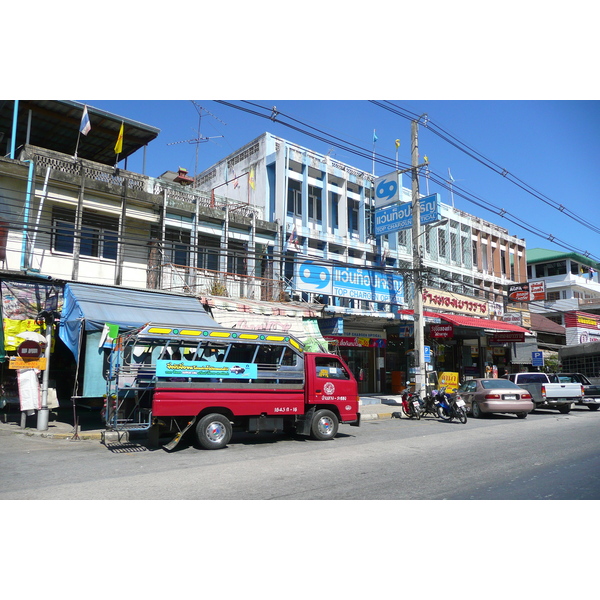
(592, 390)
(547, 394)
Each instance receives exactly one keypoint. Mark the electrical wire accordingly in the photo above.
(390, 162)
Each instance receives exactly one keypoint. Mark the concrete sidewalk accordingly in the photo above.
(371, 408)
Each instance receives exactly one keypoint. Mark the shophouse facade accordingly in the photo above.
(324, 211)
(258, 238)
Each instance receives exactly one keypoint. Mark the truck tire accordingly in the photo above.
(214, 431)
(565, 409)
(324, 425)
(593, 406)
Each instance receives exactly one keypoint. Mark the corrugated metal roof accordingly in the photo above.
(55, 126)
(464, 321)
(92, 306)
(540, 255)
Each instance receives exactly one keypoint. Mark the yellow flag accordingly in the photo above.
(397, 144)
(252, 182)
(119, 144)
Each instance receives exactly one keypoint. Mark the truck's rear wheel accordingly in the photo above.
(565, 409)
(214, 431)
(324, 425)
(593, 406)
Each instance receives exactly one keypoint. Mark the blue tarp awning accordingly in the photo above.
(91, 306)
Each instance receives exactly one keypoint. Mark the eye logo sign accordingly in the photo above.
(386, 189)
(314, 277)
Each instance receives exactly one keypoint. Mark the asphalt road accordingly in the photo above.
(547, 456)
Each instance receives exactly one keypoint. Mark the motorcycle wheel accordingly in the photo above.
(443, 414)
(462, 415)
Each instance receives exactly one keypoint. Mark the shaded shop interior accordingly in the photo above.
(381, 355)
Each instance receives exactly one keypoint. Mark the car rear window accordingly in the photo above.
(493, 384)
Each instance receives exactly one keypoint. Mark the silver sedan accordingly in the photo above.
(495, 396)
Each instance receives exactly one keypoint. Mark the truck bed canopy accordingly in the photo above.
(89, 307)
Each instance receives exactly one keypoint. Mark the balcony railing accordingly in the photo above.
(204, 282)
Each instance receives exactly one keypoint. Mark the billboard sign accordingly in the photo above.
(398, 217)
(387, 190)
(362, 284)
(527, 292)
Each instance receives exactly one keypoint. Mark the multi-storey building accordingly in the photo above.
(257, 237)
(572, 292)
(324, 210)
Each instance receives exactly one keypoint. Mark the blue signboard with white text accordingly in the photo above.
(220, 370)
(398, 217)
(537, 359)
(363, 284)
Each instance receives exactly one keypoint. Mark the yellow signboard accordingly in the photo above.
(16, 362)
(449, 380)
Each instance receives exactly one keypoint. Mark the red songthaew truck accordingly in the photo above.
(218, 380)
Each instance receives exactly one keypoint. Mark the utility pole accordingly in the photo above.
(419, 319)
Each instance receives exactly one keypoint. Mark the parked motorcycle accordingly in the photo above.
(430, 404)
(451, 408)
(411, 406)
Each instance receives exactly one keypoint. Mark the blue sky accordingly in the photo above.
(551, 148)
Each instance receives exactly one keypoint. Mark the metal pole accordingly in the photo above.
(44, 412)
(419, 320)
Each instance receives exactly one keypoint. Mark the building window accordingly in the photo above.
(352, 216)
(552, 296)
(294, 200)
(177, 247)
(96, 240)
(208, 253)
(315, 205)
(335, 212)
(237, 256)
(442, 243)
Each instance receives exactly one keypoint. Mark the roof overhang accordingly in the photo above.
(54, 125)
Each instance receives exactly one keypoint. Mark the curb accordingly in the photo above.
(92, 435)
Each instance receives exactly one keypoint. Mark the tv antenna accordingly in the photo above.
(200, 138)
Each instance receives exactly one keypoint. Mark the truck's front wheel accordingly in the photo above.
(324, 425)
(214, 431)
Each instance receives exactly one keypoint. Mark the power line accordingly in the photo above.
(390, 162)
(466, 149)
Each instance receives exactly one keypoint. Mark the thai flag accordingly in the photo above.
(85, 122)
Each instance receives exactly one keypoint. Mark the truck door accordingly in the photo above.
(332, 383)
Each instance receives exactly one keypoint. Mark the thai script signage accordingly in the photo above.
(441, 330)
(436, 299)
(581, 328)
(502, 337)
(527, 292)
(363, 284)
(398, 217)
(217, 370)
(357, 342)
